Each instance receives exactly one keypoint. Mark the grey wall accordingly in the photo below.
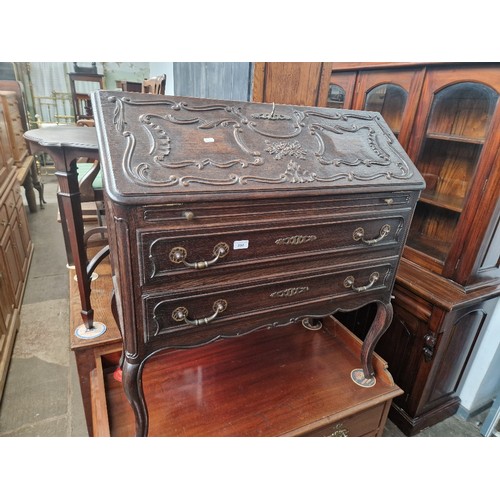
(216, 80)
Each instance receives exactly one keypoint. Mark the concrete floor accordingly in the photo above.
(42, 394)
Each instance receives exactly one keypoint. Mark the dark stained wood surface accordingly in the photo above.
(161, 149)
(312, 207)
(284, 381)
(65, 144)
(64, 136)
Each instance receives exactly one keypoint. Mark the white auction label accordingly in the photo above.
(208, 139)
(240, 244)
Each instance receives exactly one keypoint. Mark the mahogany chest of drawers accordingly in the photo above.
(219, 392)
(230, 217)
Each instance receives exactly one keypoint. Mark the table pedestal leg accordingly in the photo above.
(73, 231)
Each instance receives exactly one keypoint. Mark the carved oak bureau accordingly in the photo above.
(226, 218)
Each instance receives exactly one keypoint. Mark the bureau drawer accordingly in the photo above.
(204, 316)
(177, 215)
(364, 423)
(163, 253)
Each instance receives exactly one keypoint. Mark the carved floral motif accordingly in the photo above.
(281, 149)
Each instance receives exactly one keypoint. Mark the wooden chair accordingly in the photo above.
(90, 184)
(154, 85)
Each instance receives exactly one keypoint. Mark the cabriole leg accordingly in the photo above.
(132, 385)
(381, 322)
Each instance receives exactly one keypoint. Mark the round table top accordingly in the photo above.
(64, 136)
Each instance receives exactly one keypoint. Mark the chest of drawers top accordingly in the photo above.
(162, 149)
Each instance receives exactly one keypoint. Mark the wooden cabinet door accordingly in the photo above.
(23, 237)
(454, 144)
(19, 248)
(287, 82)
(394, 94)
(7, 297)
(13, 270)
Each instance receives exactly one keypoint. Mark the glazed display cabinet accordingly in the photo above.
(447, 118)
(455, 145)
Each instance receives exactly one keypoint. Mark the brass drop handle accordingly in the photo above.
(178, 255)
(349, 283)
(359, 234)
(181, 313)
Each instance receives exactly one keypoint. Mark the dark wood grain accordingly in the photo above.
(312, 206)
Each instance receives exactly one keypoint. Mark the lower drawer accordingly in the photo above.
(174, 318)
(366, 423)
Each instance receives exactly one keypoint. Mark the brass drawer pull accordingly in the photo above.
(359, 234)
(339, 431)
(180, 314)
(349, 283)
(178, 255)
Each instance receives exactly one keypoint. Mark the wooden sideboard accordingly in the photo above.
(226, 218)
(13, 146)
(16, 250)
(16, 247)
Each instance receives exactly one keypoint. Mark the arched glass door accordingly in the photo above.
(456, 131)
(390, 101)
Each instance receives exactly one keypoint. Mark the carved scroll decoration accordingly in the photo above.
(238, 123)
